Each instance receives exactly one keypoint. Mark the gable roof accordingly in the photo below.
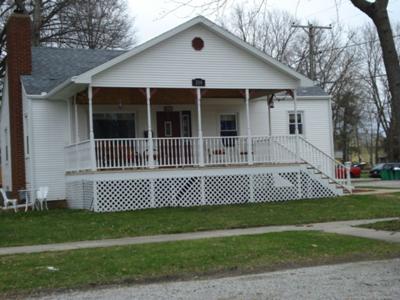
(53, 66)
(199, 20)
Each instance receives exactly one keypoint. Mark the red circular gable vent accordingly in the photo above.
(197, 43)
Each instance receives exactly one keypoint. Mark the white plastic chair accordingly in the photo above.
(41, 196)
(8, 202)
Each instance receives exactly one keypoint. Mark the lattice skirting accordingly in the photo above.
(106, 192)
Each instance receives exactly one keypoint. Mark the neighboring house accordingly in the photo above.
(194, 116)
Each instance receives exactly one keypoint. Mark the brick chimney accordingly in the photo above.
(19, 62)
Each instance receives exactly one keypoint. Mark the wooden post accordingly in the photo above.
(150, 151)
(91, 132)
(249, 139)
(200, 130)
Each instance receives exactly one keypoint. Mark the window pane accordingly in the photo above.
(292, 129)
(228, 122)
(291, 118)
(300, 126)
(114, 125)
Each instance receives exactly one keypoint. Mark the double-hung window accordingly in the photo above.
(228, 125)
(228, 128)
(292, 122)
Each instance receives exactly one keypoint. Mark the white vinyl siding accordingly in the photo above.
(317, 118)
(5, 138)
(49, 122)
(174, 63)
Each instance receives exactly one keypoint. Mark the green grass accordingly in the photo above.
(184, 259)
(385, 225)
(56, 226)
(364, 174)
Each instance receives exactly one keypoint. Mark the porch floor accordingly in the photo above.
(181, 168)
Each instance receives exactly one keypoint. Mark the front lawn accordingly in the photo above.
(65, 225)
(385, 225)
(182, 260)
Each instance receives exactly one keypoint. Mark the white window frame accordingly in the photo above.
(236, 121)
(299, 112)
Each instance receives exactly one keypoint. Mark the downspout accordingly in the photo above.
(31, 150)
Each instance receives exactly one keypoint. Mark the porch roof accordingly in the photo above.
(164, 96)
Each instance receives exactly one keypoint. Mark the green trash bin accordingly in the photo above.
(396, 173)
(386, 174)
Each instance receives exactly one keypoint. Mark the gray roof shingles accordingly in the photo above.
(53, 66)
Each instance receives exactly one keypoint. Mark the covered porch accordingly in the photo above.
(131, 128)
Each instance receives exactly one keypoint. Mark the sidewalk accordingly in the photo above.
(340, 227)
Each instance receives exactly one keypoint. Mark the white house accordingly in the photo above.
(194, 116)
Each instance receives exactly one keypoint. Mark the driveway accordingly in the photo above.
(362, 280)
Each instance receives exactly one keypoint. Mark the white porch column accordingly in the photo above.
(296, 130)
(69, 101)
(200, 130)
(249, 139)
(149, 130)
(76, 121)
(269, 101)
(91, 132)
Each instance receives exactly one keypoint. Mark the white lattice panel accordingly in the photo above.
(180, 191)
(227, 189)
(220, 187)
(118, 195)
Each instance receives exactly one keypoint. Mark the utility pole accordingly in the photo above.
(310, 29)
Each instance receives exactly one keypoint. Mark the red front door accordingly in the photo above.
(168, 124)
(168, 127)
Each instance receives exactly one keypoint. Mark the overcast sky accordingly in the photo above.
(152, 20)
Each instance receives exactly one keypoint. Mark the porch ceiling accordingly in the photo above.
(162, 96)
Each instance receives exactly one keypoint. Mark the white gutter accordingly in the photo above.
(53, 91)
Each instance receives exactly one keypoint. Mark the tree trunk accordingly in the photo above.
(37, 22)
(377, 11)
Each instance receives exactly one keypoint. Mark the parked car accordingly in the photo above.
(355, 172)
(377, 169)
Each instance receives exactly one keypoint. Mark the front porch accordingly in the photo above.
(130, 128)
(146, 148)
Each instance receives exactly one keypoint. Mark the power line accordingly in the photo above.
(355, 44)
(360, 77)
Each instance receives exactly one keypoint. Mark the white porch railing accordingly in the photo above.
(225, 150)
(121, 153)
(182, 152)
(176, 152)
(78, 157)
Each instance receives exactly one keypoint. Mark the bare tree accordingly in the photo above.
(96, 24)
(71, 23)
(378, 13)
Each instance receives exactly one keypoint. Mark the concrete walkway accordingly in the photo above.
(341, 227)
